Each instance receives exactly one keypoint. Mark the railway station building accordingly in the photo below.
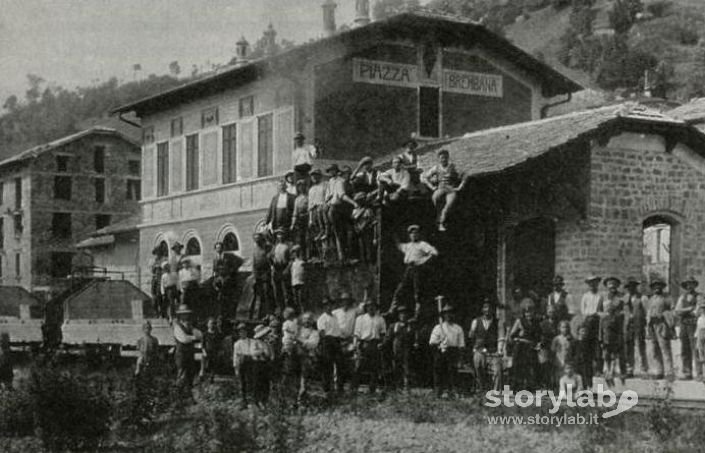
(214, 148)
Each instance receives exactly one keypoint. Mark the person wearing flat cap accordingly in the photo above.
(243, 351)
(591, 305)
(446, 182)
(281, 208)
(404, 337)
(416, 254)
(364, 178)
(635, 327)
(186, 336)
(340, 207)
(303, 156)
(368, 340)
(687, 312)
(262, 356)
(447, 340)
(560, 299)
(659, 329)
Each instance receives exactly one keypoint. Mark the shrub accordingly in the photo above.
(16, 417)
(70, 412)
(663, 420)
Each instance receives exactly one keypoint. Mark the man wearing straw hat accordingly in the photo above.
(686, 310)
(186, 336)
(635, 326)
(262, 356)
(370, 330)
(331, 354)
(590, 305)
(447, 339)
(659, 330)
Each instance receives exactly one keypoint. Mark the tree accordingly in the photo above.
(11, 103)
(174, 68)
(35, 85)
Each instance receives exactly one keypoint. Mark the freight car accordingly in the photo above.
(20, 316)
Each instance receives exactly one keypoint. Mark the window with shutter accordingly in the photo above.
(265, 145)
(162, 169)
(192, 162)
(229, 153)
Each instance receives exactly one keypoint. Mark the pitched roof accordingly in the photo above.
(692, 112)
(11, 297)
(416, 23)
(104, 299)
(495, 150)
(40, 149)
(123, 226)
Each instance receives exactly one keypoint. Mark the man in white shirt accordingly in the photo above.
(591, 305)
(243, 351)
(416, 254)
(341, 206)
(370, 330)
(186, 336)
(330, 348)
(303, 156)
(346, 315)
(394, 182)
(447, 339)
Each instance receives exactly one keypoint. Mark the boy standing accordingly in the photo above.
(570, 382)
(561, 348)
(611, 341)
(148, 349)
(404, 338)
(242, 362)
(211, 347)
(280, 263)
(581, 355)
(370, 330)
(635, 327)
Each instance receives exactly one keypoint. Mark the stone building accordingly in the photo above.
(53, 195)
(615, 191)
(214, 147)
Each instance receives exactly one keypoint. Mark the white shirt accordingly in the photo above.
(700, 328)
(417, 252)
(304, 155)
(241, 349)
(317, 195)
(297, 272)
(181, 336)
(400, 178)
(447, 335)
(370, 327)
(290, 330)
(346, 320)
(329, 325)
(590, 303)
(282, 201)
(308, 338)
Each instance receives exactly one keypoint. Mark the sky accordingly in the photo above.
(78, 42)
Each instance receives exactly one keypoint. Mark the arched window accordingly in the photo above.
(193, 247)
(162, 250)
(659, 235)
(230, 243)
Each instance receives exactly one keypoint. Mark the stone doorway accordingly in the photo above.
(531, 256)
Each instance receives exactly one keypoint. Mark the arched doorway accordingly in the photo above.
(531, 254)
(661, 240)
(193, 247)
(230, 242)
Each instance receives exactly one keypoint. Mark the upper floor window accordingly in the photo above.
(134, 189)
(192, 166)
(18, 193)
(265, 145)
(101, 221)
(17, 224)
(99, 184)
(134, 167)
(209, 117)
(229, 153)
(62, 164)
(177, 126)
(61, 225)
(162, 169)
(99, 159)
(2, 193)
(247, 106)
(62, 187)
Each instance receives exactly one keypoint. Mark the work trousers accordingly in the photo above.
(331, 357)
(369, 361)
(488, 370)
(410, 280)
(446, 196)
(659, 349)
(688, 347)
(445, 370)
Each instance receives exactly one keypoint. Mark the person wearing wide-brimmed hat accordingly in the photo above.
(186, 336)
(243, 363)
(635, 326)
(307, 346)
(394, 182)
(262, 356)
(404, 337)
(447, 340)
(659, 330)
(303, 156)
(686, 310)
(281, 208)
(560, 299)
(446, 182)
(262, 274)
(591, 305)
(416, 254)
(299, 220)
(368, 340)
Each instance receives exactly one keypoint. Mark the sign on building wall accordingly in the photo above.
(384, 73)
(474, 83)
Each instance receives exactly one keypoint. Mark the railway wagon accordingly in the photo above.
(20, 316)
(110, 313)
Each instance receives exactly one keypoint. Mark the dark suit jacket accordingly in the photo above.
(272, 213)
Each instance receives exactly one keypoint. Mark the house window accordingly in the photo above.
(148, 135)
(99, 159)
(134, 189)
(99, 184)
(134, 168)
(429, 111)
(62, 187)
(2, 193)
(230, 243)
(265, 146)
(61, 225)
(2, 233)
(62, 164)
(162, 169)
(18, 264)
(0, 266)
(209, 117)
(247, 106)
(61, 264)
(101, 221)
(230, 153)
(193, 247)
(658, 238)
(192, 162)
(18, 226)
(18, 193)
(177, 126)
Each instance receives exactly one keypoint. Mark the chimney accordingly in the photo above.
(329, 17)
(362, 12)
(270, 40)
(242, 50)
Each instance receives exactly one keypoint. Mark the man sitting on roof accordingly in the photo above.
(446, 182)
